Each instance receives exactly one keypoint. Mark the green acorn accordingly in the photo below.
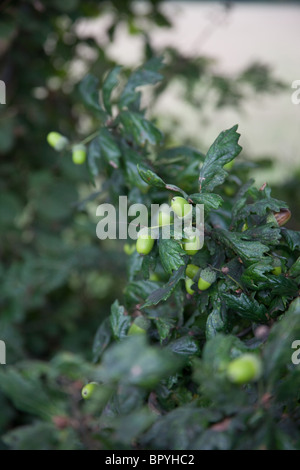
(229, 190)
(180, 206)
(79, 154)
(129, 249)
(164, 215)
(191, 245)
(139, 326)
(276, 267)
(154, 277)
(191, 270)
(88, 390)
(207, 278)
(246, 368)
(57, 141)
(188, 286)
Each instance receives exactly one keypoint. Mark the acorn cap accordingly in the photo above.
(79, 148)
(208, 275)
(244, 369)
(191, 270)
(57, 140)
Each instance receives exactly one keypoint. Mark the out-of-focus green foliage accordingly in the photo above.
(58, 281)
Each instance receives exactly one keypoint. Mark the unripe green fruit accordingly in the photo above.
(207, 278)
(191, 246)
(277, 267)
(188, 286)
(203, 285)
(144, 243)
(129, 249)
(164, 216)
(228, 165)
(180, 206)
(154, 277)
(191, 270)
(57, 141)
(244, 369)
(245, 227)
(88, 390)
(78, 154)
(229, 190)
(277, 271)
(139, 326)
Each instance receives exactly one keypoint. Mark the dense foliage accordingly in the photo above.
(167, 387)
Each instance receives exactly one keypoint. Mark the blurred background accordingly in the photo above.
(226, 63)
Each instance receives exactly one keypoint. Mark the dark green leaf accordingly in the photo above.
(223, 150)
(134, 362)
(264, 233)
(135, 265)
(215, 323)
(179, 153)
(119, 321)
(164, 327)
(294, 270)
(139, 128)
(43, 435)
(164, 292)
(151, 178)
(102, 339)
(154, 180)
(261, 207)
(128, 427)
(185, 345)
(246, 307)
(179, 428)
(210, 201)
(109, 147)
(278, 351)
(94, 154)
(171, 255)
(292, 238)
(109, 84)
(247, 250)
(255, 274)
(145, 75)
(280, 285)
(89, 89)
(27, 394)
(138, 291)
